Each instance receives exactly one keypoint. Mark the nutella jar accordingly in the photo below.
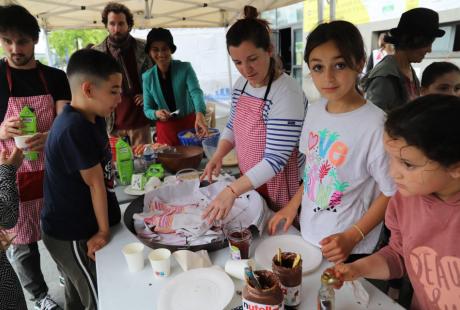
(269, 297)
(289, 273)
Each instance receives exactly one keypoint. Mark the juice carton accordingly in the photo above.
(29, 127)
(125, 163)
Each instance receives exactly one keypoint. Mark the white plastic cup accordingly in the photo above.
(20, 141)
(235, 268)
(134, 255)
(160, 260)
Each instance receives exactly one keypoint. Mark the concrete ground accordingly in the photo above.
(51, 275)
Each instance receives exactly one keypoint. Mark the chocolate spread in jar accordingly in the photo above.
(269, 297)
(290, 278)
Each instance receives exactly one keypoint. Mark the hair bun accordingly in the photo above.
(250, 12)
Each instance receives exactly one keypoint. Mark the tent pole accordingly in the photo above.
(331, 10)
(229, 66)
(320, 11)
(47, 44)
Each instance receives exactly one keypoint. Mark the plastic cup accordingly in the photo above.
(20, 142)
(134, 255)
(235, 268)
(239, 240)
(160, 260)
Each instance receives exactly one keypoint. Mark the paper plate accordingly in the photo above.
(197, 289)
(311, 255)
(230, 159)
(134, 192)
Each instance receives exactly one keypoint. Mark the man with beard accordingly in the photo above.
(128, 119)
(26, 82)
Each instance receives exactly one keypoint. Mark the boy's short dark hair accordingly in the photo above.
(16, 18)
(92, 63)
(117, 8)
(429, 123)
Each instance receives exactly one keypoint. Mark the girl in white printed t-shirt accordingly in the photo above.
(346, 186)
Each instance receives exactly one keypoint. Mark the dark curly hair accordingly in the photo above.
(17, 19)
(429, 123)
(117, 8)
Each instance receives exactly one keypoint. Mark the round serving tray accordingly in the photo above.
(137, 205)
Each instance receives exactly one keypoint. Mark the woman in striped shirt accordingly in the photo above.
(266, 117)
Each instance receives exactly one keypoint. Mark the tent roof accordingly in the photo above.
(68, 14)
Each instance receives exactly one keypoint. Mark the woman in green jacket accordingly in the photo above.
(172, 94)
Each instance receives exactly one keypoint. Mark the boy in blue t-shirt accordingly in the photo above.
(80, 203)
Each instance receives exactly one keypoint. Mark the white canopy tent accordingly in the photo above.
(78, 14)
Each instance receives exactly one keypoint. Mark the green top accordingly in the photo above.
(187, 92)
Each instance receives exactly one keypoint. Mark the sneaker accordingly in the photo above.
(61, 281)
(46, 303)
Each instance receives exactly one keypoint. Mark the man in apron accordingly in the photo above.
(45, 90)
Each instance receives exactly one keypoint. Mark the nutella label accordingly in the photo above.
(249, 305)
(291, 295)
(235, 252)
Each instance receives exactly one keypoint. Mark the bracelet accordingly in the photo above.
(359, 230)
(232, 190)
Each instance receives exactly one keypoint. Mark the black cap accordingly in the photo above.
(160, 34)
(418, 22)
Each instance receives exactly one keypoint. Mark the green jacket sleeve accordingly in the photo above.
(193, 88)
(150, 105)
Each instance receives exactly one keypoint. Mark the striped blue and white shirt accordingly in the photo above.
(283, 113)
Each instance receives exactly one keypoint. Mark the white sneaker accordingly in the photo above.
(46, 303)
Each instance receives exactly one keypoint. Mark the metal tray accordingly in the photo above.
(137, 205)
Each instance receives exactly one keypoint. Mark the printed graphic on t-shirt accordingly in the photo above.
(108, 170)
(439, 276)
(322, 185)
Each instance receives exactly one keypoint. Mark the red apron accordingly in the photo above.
(167, 131)
(30, 174)
(250, 133)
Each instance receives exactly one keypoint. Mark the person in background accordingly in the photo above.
(171, 86)
(378, 54)
(422, 139)
(128, 119)
(11, 294)
(441, 78)
(266, 116)
(26, 82)
(345, 188)
(80, 202)
(393, 82)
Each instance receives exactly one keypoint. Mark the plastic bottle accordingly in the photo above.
(326, 294)
(125, 163)
(149, 155)
(29, 127)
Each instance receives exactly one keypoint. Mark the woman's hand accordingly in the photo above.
(219, 208)
(336, 248)
(14, 159)
(287, 213)
(212, 168)
(348, 272)
(201, 128)
(162, 115)
(10, 128)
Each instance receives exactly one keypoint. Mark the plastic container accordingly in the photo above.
(209, 146)
(125, 163)
(29, 127)
(194, 140)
